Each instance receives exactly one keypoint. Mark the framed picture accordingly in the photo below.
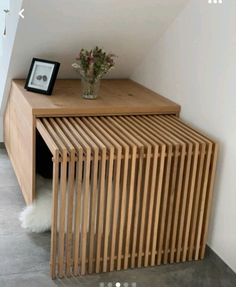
(42, 76)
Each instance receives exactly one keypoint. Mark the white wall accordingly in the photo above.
(58, 29)
(5, 57)
(194, 63)
(4, 4)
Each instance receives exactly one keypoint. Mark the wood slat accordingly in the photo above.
(62, 200)
(93, 198)
(105, 132)
(175, 189)
(200, 190)
(86, 194)
(195, 207)
(134, 143)
(137, 125)
(54, 245)
(128, 142)
(58, 126)
(131, 195)
(161, 141)
(78, 142)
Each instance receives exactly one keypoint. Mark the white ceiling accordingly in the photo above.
(58, 29)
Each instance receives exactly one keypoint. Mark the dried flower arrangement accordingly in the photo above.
(94, 64)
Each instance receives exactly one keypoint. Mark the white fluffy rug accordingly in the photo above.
(37, 217)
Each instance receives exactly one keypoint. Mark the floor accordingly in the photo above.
(24, 257)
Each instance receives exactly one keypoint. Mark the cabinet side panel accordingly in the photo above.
(19, 137)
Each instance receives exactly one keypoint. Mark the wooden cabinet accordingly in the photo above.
(117, 97)
(132, 183)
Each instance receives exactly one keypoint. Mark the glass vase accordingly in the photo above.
(90, 89)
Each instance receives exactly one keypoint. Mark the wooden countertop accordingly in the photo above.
(116, 97)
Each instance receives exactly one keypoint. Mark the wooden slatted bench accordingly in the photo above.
(132, 183)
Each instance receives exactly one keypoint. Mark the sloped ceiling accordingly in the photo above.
(58, 29)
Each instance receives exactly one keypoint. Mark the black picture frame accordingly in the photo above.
(42, 84)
